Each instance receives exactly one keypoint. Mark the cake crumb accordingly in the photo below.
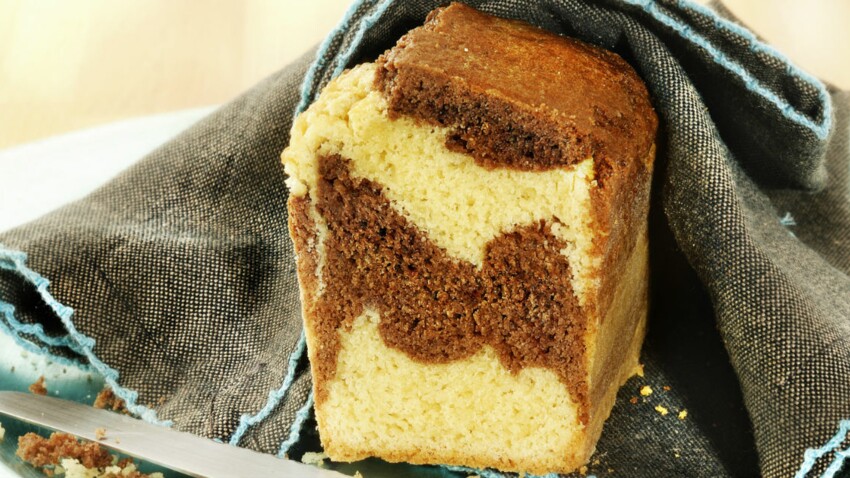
(2, 432)
(357, 474)
(315, 459)
(666, 388)
(646, 390)
(639, 370)
(38, 388)
(42, 452)
(100, 433)
(662, 410)
(63, 454)
(106, 400)
(683, 414)
(583, 470)
(74, 469)
(633, 400)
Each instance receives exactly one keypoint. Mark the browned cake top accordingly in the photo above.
(517, 95)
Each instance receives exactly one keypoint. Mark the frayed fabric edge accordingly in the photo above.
(297, 424)
(307, 86)
(35, 330)
(820, 129)
(16, 261)
(246, 421)
(811, 456)
(30, 346)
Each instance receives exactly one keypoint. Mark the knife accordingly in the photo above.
(179, 451)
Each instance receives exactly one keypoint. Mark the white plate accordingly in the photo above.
(36, 178)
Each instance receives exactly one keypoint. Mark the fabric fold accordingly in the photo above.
(182, 274)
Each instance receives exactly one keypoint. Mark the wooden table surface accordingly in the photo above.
(71, 64)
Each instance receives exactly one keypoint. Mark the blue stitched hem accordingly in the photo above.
(246, 421)
(31, 346)
(319, 63)
(750, 82)
(16, 261)
(365, 24)
(787, 220)
(295, 429)
(811, 456)
(755, 45)
(35, 330)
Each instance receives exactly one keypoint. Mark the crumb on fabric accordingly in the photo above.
(683, 414)
(38, 388)
(662, 410)
(100, 433)
(633, 400)
(107, 400)
(666, 388)
(646, 390)
(583, 470)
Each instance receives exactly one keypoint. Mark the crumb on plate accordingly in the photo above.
(38, 388)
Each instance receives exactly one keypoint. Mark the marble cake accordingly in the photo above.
(469, 214)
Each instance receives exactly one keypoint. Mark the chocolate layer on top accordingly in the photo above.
(514, 95)
(434, 308)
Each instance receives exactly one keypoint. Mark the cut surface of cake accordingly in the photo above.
(469, 215)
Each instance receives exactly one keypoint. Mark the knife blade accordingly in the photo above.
(179, 451)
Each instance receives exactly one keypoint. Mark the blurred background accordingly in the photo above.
(71, 64)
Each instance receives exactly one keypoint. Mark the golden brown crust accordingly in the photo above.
(572, 459)
(434, 308)
(620, 212)
(516, 96)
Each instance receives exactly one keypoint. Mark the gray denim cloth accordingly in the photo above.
(176, 281)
